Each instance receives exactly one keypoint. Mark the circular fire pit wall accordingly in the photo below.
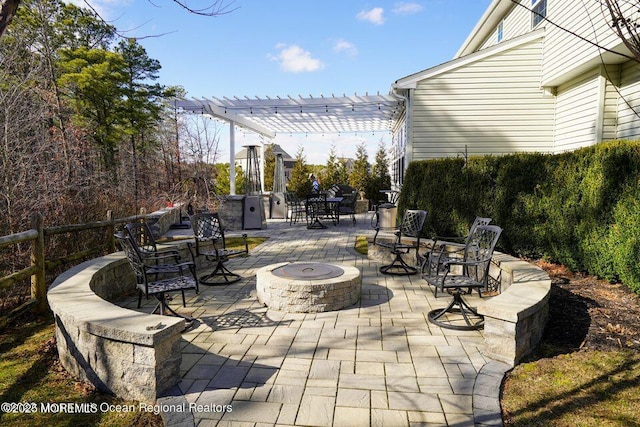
(308, 287)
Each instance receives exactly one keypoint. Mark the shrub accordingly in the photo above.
(578, 208)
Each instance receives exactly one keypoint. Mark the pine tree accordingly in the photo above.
(359, 176)
(269, 166)
(380, 178)
(331, 173)
(300, 183)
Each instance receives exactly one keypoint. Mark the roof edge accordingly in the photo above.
(486, 24)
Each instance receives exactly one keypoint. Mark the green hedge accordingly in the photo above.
(581, 208)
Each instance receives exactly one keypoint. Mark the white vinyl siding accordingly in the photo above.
(566, 53)
(494, 106)
(516, 23)
(610, 114)
(577, 112)
(628, 120)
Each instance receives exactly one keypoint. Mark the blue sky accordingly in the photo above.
(297, 47)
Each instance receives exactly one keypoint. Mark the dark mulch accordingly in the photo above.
(589, 313)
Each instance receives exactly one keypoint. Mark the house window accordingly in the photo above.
(500, 31)
(539, 11)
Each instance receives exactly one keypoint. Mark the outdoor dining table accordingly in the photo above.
(317, 206)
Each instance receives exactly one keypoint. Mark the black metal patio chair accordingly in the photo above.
(473, 273)
(348, 205)
(143, 236)
(294, 207)
(175, 277)
(438, 253)
(207, 228)
(407, 238)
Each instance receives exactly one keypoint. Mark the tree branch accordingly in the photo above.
(573, 33)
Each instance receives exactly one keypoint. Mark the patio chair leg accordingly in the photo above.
(220, 271)
(457, 305)
(162, 306)
(398, 267)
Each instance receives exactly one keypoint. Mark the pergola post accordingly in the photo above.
(232, 158)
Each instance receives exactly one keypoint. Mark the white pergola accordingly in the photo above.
(327, 115)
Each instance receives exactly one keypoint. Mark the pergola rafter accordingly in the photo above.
(270, 116)
(334, 114)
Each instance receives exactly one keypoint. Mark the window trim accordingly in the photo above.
(535, 4)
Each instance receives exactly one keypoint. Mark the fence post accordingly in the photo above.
(112, 230)
(38, 284)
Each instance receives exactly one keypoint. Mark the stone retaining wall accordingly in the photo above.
(131, 354)
(161, 220)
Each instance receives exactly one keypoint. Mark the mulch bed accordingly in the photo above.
(589, 313)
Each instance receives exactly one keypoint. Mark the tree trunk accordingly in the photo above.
(8, 10)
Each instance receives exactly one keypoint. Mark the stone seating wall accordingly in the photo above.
(131, 354)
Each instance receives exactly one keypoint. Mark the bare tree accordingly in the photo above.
(625, 23)
(200, 149)
(8, 9)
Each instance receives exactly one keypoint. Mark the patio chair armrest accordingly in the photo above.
(158, 257)
(449, 263)
(450, 238)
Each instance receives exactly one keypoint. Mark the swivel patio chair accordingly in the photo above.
(143, 236)
(411, 227)
(474, 275)
(178, 277)
(207, 228)
(438, 253)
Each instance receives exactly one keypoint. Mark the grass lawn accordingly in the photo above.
(586, 371)
(585, 388)
(30, 372)
(361, 245)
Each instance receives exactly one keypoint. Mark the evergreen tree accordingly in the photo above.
(94, 82)
(330, 174)
(359, 176)
(141, 102)
(342, 175)
(223, 181)
(269, 166)
(380, 178)
(300, 183)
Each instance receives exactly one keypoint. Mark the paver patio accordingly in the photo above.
(378, 363)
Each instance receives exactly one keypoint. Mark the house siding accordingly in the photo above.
(516, 23)
(586, 19)
(610, 115)
(492, 106)
(577, 112)
(628, 121)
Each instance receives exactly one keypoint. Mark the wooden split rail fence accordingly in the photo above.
(39, 264)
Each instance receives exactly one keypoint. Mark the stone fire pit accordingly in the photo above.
(308, 287)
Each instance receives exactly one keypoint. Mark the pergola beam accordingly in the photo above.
(344, 114)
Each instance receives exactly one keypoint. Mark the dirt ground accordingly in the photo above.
(588, 313)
